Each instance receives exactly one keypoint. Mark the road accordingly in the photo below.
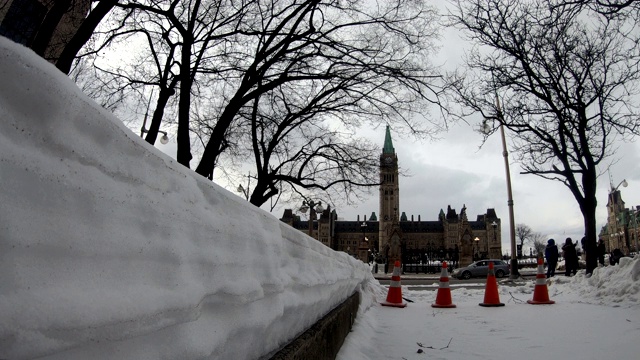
(430, 281)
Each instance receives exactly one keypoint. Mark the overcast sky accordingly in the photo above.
(455, 171)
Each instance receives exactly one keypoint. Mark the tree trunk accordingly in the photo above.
(184, 105)
(83, 34)
(214, 147)
(588, 207)
(48, 26)
(158, 113)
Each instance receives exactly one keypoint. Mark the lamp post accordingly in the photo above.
(512, 228)
(615, 211)
(477, 250)
(313, 208)
(495, 236)
(164, 139)
(634, 214)
(363, 226)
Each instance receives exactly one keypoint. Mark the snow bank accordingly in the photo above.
(109, 249)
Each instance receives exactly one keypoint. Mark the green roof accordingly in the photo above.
(388, 144)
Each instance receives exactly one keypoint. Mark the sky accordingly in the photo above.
(109, 249)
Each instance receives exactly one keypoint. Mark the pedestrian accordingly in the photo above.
(601, 251)
(583, 243)
(615, 257)
(570, 257)
(551, 253)
(456, 256)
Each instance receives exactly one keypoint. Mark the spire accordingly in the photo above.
(388, 144)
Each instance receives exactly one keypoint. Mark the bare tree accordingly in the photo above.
(539, 243)
(568, 88)
(377, 53)
(523, 234)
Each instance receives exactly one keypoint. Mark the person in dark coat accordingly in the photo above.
(570, 257)
(615, 257)
(602, 250)
(551, 254)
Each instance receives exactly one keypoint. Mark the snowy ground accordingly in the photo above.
(593, 318)
(109, 249)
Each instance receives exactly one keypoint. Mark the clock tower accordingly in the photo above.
(389, 190)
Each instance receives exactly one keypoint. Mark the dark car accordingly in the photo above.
(481, 269)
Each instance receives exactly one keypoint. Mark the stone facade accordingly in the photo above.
(394, 236)
(621, 229)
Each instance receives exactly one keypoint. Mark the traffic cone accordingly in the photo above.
(491, 296)
(443, 298)
(394, 297)
(540, 292)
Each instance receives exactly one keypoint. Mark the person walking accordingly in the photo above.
(570, 257)
(551, 254)
(601, 251)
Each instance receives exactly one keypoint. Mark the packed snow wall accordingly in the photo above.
(110, 249)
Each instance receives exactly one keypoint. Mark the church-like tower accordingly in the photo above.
(389, 190)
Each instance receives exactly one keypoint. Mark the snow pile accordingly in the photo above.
(111, 250)
(611, 284)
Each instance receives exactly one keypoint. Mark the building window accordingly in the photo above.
(23, 20)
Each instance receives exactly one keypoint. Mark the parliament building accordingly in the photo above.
(390, 235)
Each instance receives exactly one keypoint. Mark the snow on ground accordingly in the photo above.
(109, 249)
(593, 318)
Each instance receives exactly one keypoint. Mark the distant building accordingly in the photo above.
(621, 229)
(394, 236)
(22, 20)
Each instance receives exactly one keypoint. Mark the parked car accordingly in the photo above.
(481, 269)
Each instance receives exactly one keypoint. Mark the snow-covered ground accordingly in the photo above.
(593, 318)
(109, 249)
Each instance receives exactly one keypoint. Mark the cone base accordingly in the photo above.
(537, 302)
(399, 305)
(443, 306)
(491, 305)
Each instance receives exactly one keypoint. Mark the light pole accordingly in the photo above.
(512, 228)
(164, 139)
(634, 214)
(495, 236)
(615, 211)
(475, 253)
(363, 226)
(313, 207)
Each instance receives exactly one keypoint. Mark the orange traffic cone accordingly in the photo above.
(540, 293)
(491, 296)
(394, 297)
(443, 298)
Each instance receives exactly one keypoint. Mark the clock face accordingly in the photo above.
(388, 160)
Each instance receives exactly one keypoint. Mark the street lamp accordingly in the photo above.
(495, 237)
(477, 242)
(164, 139)
(615, 214)
(314, 208)
(363, 226)
(512, 228)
